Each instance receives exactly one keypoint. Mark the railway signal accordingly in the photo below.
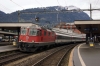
(37, 19)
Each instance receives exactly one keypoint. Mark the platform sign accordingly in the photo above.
(14, 43)
(91, 45)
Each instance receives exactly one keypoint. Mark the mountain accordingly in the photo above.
(55, 17)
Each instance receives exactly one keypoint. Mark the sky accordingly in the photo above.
(9, 6)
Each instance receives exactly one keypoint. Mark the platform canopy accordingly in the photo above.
(88, 26)
(15, 25)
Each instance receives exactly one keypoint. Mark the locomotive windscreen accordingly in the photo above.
(33, 32)
(23, 31)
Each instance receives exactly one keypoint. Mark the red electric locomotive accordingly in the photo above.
(33, 37)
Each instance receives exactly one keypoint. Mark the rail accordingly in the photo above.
(54, 58)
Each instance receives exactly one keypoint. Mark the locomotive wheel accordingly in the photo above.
(28, 49)
(40, 48)
(31, 49)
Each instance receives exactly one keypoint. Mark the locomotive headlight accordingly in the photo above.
(20, 40)
(32, 40)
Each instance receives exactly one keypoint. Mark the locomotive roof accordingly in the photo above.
(37, 27)
(32, 26)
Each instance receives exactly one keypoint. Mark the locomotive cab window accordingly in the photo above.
(23, 31)
(34, 32)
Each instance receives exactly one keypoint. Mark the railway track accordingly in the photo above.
(6, 43)
(51, 57)
(11, 57)
(55, 58)
(8, 53)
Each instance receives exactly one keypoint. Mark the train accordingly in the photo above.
(36, 37)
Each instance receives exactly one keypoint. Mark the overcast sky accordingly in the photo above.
(9, 6)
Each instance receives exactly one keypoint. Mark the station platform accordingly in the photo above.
(7, 48)
(83, 55)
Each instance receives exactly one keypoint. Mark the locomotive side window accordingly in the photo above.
(49, 34)
(23, 31)
(39, 32)
(53, 34)
(44, 33)
(33, 32)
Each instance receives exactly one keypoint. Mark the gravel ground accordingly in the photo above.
(30, 60)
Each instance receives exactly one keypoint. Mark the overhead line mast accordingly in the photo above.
(90, 12)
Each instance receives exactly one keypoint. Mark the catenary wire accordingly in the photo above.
(5, 8)
(16, 4)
